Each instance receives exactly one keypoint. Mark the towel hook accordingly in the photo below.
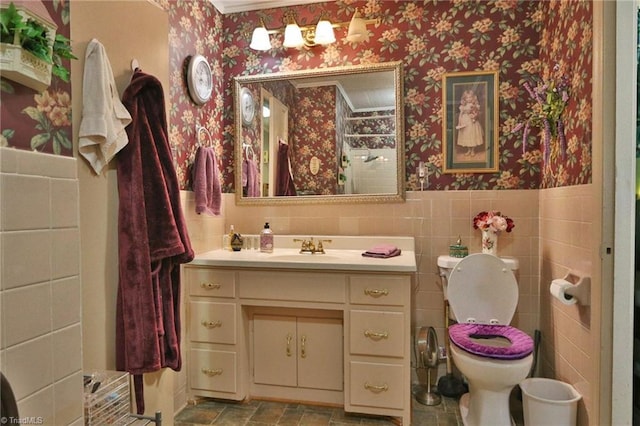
(248, 149)
(203, 129)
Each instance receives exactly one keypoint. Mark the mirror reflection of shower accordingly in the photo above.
(370, 171)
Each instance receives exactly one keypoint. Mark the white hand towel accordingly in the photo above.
(104, 117)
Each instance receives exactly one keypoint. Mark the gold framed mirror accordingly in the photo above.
(349, 120)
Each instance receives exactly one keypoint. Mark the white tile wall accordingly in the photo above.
(40, 293)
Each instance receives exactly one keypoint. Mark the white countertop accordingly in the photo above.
(342, 254)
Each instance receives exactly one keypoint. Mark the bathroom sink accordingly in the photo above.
(342, 253)
(304, 257)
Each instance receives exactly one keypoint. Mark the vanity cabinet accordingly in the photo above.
(323, 336)
(298, 351)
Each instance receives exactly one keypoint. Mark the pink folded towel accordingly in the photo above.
(206, 183)
(382, 251)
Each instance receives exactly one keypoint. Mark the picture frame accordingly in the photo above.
(470, 122)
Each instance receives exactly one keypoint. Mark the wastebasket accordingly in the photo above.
(548, 402)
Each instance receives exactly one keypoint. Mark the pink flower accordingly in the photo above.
(492, 221)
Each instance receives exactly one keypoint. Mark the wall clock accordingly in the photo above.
(247, 106)
(199, 79)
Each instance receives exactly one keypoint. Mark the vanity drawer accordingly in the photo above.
(376, 385)
(211, 282)
(379, 290)
(293, 286)
(213, 370)
(212, 322)
(377, 333)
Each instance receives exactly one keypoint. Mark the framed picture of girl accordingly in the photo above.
(470, 122)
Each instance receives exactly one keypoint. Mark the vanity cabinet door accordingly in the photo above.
(320, 353)
(298, 351)
(275, 350)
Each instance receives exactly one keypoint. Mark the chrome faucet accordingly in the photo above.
(309, 246)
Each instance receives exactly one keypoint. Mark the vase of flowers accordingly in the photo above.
(491, 224)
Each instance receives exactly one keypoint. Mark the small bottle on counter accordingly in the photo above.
(266, 239)
(237, 242)
(229, 238)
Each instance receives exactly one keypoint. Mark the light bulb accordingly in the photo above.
(293, 36)
(260, 39)
(357, 29)
(324, 32)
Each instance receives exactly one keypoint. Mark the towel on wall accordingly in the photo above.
(152, 240)
(104, 118)
(206, 182)
(284, 178)
(250, 178)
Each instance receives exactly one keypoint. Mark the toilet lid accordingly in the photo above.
(477, 339)
(482, 289)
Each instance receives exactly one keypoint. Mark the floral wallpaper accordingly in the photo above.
(39, 121)
(315, 136)
(196, 28)
(519, 38)
(379, 123)
(566, 52)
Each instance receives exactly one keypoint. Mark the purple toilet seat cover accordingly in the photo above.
(521, 343)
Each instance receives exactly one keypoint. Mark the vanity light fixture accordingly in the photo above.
(260, 38)
(357, 29)
(322, 33)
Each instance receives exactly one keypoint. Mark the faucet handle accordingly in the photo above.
(320, 247)
(306, 244)
(311, 245)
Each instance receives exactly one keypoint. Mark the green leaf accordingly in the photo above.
(8, 133)
(62, 47)
(6, 87)
(33, 112)
(39, 140)
(61, 72)
(61, 137)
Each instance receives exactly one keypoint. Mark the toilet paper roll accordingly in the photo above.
(558, 290)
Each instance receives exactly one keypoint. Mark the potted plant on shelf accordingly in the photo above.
(30, 49)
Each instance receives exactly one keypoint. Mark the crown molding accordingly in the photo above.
(234, 6)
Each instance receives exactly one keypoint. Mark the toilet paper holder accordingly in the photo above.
(576, 286)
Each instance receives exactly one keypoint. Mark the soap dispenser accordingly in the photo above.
(266, 239)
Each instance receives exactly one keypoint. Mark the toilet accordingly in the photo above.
(493, 356)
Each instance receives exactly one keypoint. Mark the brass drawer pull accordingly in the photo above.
(303, 350)
(210, 286)
(376, 335)
(376, 389)
(374, 292)
(212, 324)
(210, 372)
(289, 337)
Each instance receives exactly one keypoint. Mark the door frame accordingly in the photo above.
(624, 178)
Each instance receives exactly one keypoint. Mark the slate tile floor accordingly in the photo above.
(268, 413)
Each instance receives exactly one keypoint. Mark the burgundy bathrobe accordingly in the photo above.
(284, 180)
(152, 240)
